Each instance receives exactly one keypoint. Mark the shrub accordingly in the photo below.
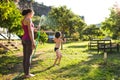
(43, 37)
(75, 36)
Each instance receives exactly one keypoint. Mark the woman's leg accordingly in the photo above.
(26, 58)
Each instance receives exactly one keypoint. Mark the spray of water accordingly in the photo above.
(42, 21)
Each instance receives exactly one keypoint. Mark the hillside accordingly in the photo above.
(40, 9)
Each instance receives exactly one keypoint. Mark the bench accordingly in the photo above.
(108, 46)
(92, 44)
(102, 45)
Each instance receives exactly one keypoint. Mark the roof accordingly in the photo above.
(1, 37)
(5, 36)
(49, 31)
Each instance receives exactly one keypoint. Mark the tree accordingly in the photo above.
(60, 15)
(76, 24)
(36, 20)
(111, 25)
(92, 31)
(64, 20)
(10, 17)
(75, 36)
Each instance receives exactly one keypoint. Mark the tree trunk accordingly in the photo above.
(8, 35)
(62, 38)
(61, 46)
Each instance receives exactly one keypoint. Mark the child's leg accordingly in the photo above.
(57, 57)
(60, 56)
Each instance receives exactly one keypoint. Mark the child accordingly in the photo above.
(58, 42)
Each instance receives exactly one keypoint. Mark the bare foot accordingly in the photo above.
(58, 64)
(54, 64)
(28, 76)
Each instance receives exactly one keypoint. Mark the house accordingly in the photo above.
(4, 35)
(50, 34)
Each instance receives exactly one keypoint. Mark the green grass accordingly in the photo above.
(78, 63)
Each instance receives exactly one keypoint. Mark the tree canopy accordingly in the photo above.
(10, 17)
(92, 32)
(111, 25)
(64, 20)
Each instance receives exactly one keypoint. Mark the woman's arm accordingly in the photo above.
(30, 32)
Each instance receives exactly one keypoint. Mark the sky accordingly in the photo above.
(94, 11)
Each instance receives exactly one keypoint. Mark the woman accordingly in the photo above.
(27, 40)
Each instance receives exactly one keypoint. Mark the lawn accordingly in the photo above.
(78, 63)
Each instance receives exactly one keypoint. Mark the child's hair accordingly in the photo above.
(57, 34)
(26, 11)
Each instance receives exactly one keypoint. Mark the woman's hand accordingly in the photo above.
(33, 45)
(35, 29)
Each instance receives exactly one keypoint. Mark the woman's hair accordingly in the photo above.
(26, 11)
(57, 34)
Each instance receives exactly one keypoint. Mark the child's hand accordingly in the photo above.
(64, 39)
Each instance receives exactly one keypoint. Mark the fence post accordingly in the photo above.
(105, 57)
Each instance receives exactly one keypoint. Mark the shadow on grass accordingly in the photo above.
(48, 68)
(20, 77)
(20, 70)
(95, 51)
(76, 46)
(92, 51)
(10, 64)
(93, 69)
(7, 64)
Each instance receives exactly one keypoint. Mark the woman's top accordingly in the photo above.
(26, 33)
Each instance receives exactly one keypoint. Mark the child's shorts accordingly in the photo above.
(56, 49)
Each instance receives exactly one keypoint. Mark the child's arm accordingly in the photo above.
(54, 39)
(63, 40)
